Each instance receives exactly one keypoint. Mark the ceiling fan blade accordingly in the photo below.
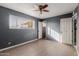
(45, 6)
(36, 6)
(46, 10)
(34, 9)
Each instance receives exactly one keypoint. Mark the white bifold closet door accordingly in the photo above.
(66, 30)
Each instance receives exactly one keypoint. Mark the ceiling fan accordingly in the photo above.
(41, 8)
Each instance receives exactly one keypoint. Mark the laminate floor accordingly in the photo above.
(42, 48)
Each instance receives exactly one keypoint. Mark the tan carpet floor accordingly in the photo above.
(42, 48)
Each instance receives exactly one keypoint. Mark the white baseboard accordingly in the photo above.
(17, 45)
(76, 50)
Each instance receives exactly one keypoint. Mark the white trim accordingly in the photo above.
(17, 45)
(76, 50)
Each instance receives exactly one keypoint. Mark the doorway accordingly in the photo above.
(43, 29)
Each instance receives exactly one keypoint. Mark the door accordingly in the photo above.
(66, 30)
(39, 30)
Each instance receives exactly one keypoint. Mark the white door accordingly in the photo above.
(39, 30)
(66, 30)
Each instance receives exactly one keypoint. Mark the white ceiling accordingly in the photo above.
(54, 8)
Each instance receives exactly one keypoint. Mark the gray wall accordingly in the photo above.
(54, 23)
(16, 36)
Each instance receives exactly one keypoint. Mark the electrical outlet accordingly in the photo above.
(9, 43)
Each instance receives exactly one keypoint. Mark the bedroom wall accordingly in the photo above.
(16, 36)
(53, 24)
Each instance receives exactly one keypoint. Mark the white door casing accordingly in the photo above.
(39, 30)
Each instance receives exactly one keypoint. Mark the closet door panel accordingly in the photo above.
(66, 30)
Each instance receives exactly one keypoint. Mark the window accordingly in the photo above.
(16, 22)
(53, 34)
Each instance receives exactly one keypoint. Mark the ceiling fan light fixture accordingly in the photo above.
(41, 7)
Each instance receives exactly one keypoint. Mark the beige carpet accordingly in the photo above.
(42, 48)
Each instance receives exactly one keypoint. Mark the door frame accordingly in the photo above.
(39, 30)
